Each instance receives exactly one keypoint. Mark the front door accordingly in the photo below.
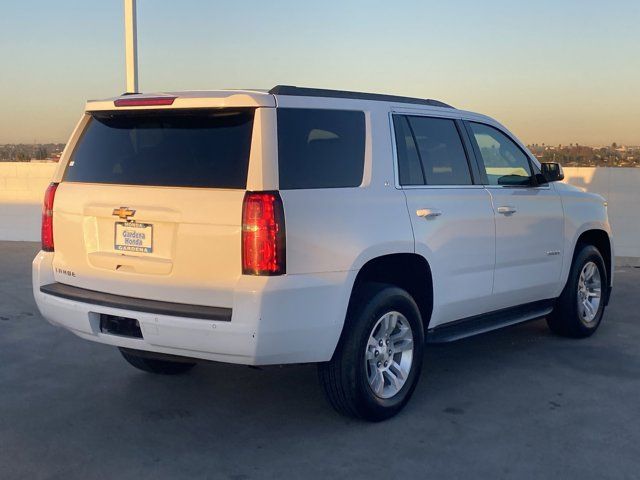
(529, 220)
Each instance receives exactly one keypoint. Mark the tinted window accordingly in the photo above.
(320, 148)
(165, 148)
(504, 162)
(440, 150)
(409, 168)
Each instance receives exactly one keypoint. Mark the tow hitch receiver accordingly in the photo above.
(122, 326)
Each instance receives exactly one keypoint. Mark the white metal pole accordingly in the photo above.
(131, 45)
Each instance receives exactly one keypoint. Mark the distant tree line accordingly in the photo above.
(22, 152)
(575, 155)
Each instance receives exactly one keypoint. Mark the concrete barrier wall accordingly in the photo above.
(621, 188)
(25, 181)
(22, 187)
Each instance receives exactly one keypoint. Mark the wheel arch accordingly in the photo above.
(600, 239)
(409, 271)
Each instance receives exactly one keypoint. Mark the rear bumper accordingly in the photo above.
(273, 320)
(136, 304)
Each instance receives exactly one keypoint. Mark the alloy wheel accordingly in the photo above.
(389, 354)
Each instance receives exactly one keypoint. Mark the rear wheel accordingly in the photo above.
(153, 365)
(377, 363)
(579, 309)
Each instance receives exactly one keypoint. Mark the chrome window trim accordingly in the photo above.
(546, 186)
(419, 187)
(451, 115)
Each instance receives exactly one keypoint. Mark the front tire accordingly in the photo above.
(377, 363)
(580, 308)
(154, 365)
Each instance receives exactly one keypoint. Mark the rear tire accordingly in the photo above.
(365, 378)
(578, 311)
(154, 365)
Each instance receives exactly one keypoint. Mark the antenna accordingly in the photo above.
(131, 45)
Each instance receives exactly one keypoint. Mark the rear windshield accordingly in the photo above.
(195, 148)
(320, 148)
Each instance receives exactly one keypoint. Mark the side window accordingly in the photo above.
(504, 162)
(440, 149)
(409, 168)
(320, 148)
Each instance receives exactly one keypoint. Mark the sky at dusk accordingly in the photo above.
(552, 71)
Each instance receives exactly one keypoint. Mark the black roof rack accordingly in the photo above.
(321, 92)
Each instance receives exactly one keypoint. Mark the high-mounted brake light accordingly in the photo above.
(47, 218)
(263, 234)
(144, 102)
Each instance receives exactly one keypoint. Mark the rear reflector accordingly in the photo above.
(144, 102)
(263, 234)
(47, 218)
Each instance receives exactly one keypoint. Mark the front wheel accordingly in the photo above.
(579, 309)
(377, 363)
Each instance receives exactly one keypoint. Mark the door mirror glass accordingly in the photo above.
(552, 171)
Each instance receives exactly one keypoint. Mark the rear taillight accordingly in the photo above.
(263, 234)
(47, 218)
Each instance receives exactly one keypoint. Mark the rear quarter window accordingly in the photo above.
(194, 148)
(320, 148)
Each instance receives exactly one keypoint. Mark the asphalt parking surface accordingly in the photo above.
(518, 403)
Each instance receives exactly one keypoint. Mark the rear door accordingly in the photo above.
(150, 204)
(529, 220)
(451, 214)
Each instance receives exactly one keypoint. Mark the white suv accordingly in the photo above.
(305, 225)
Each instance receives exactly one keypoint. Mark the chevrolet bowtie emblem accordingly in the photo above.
(124, 213)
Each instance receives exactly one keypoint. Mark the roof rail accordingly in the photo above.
(321, 92)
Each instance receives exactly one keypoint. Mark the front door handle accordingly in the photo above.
(507, 210)
(428, 213)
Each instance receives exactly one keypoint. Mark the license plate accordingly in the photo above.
(134, 237)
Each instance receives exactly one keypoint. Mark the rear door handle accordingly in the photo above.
(507, 210)
(428, 213)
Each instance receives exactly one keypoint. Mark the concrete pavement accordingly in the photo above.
(518, 403)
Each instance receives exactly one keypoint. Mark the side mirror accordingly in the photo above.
(552, 171)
